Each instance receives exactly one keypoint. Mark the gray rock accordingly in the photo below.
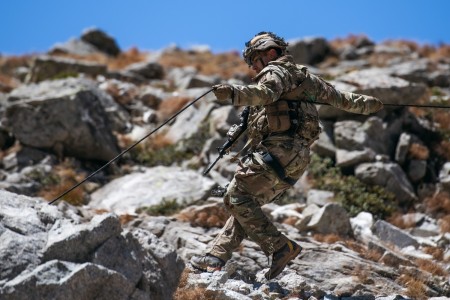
(332, 218)
(64, 280)
(361, 226)
(75, 243)
(187, 124)
(199, 81)
(74, 46)
(24, 223)
(319, 197)
(151, 187)
(388, 233)
(148, 70)
(444, 176)
(417, 169)
(402, 149)
(151, 96)
(414, 71)
(47, 67)
(70, 116)
(357, 136)
(388, 175)
(324, 146)
(47, 255)
(346, 158)
(376, 82)
(101, 40)
(310, 50)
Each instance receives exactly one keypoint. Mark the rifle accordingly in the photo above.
(232, 136)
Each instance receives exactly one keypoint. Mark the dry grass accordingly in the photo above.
(123, 96)
(351, 39)
(372, 255)
(170, 106)
(185, 293)
(418, 151)
(348, 242)
(444, 223)
(126, 218)
(438, 205)
(157, 141)
(415, 288)
(207, 216)
(431, 267)
(67, 178)
(7, 83)
(290, 220)
(434, 53)
(362, 274)
(9, 64)
(436, 252)
(401, 221)
(443, 149)
(328, 238)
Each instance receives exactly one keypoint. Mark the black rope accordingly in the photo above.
(392, 104)
(417, 105)
(128, 149)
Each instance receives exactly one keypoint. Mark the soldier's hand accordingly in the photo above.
(223, 91)
(375, 105)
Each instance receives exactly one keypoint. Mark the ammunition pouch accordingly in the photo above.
(293, 118)
(282, 116)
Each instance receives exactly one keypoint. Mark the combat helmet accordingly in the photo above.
(263, 41)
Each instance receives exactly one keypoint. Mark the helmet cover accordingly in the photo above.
(260, 42)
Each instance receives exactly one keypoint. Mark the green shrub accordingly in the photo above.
(354, 195)
(164, 156)
(165, 208)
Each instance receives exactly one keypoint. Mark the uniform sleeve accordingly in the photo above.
(318, 90)
(271, 84)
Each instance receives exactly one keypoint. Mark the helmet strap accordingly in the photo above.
(262, 62)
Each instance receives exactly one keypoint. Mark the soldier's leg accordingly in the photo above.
(227, 240)
(253, 186)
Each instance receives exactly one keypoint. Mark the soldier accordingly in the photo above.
(282, 124)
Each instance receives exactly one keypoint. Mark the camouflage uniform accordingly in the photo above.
(282, 125)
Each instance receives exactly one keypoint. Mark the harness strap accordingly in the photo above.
(275, 165)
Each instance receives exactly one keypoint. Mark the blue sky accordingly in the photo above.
(34, 26)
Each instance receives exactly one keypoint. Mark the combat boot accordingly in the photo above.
(281, 258)
(207, 263)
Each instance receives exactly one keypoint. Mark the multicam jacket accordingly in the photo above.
(282, 101)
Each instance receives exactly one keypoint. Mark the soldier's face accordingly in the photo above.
(257, 63)
(261, 59)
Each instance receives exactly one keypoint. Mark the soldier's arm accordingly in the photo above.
(271, 84)
(318, 90)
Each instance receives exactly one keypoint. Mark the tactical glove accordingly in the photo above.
(223, 91)
(375, 105)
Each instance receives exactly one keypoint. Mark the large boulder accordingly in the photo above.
(390, 176)
(101, 40)
(374, 82)
(309, 50)
(47, 67)
(68, 117)
(50, 254)
(150, 187)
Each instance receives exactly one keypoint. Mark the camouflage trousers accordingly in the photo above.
(255, 184)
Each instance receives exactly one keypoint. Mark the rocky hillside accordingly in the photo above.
(372, 212)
